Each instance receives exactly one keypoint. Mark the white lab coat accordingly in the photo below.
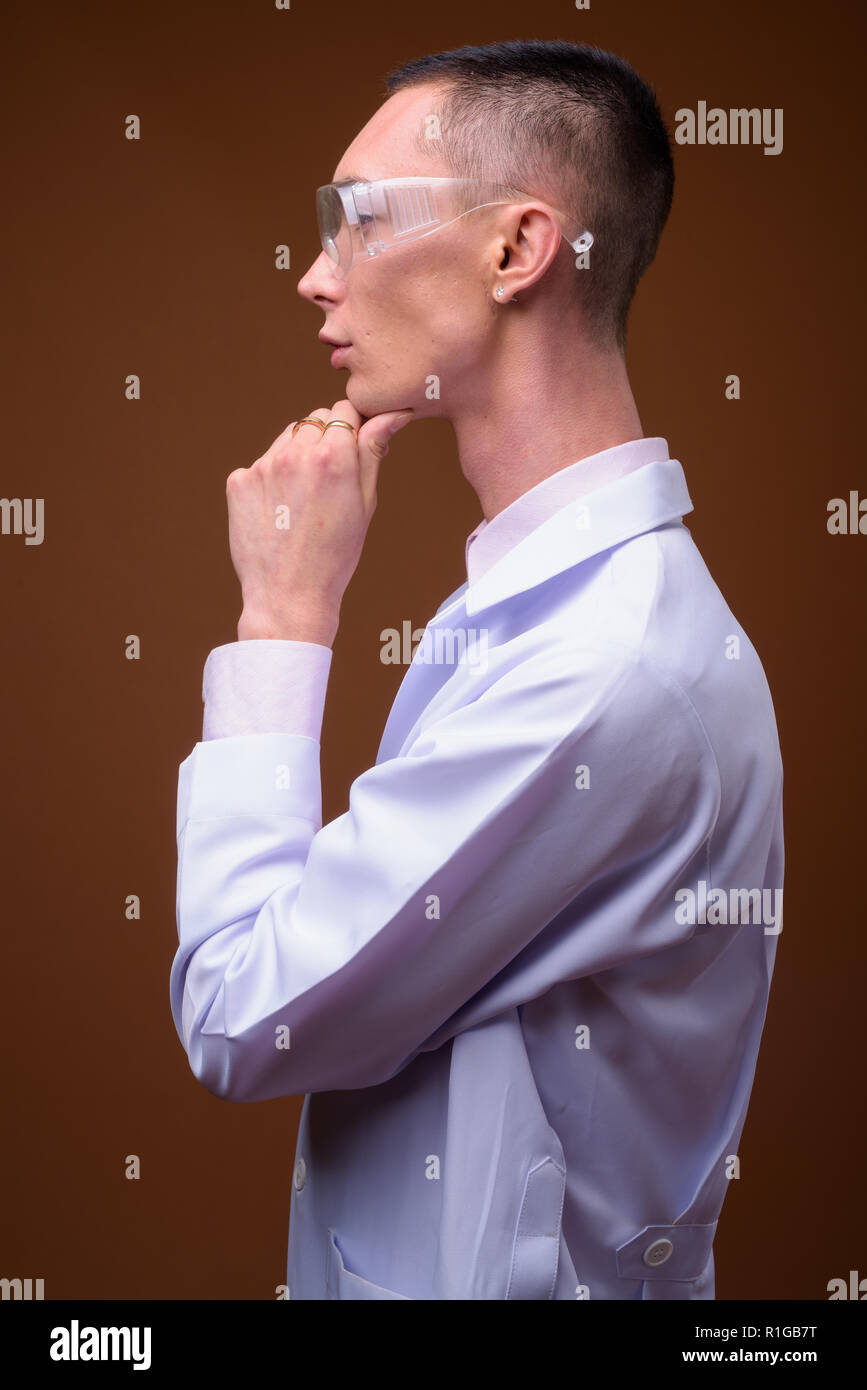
(508, 979)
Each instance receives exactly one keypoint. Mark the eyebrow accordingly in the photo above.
(356, 178)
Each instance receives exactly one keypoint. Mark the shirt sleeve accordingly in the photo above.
(316, 958)
(265, 687)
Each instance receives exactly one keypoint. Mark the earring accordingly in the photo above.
(500, 291)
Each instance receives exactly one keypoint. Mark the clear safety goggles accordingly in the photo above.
(360, 220)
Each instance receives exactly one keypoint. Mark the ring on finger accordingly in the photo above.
(343, 424)
(308, 420)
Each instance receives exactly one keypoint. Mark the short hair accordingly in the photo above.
(576, 121)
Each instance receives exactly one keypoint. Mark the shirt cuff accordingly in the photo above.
(265, 687)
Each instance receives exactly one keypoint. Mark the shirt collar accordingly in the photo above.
(581, 511)
(491, 540)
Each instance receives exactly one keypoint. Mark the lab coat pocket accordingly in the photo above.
(536, 1245)
(341, 1283)
(673, 1262)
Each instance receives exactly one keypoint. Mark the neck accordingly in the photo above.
(546, 402)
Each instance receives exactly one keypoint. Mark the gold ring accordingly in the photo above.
(308, 420)
(344, 424)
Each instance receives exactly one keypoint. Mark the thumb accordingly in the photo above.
(373, 440)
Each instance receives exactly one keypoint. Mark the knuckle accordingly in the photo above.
(329, 452)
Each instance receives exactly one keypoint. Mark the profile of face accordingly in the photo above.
(422, 310)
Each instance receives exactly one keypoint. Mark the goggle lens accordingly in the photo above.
(329, 214)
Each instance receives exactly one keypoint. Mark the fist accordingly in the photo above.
(298, 518)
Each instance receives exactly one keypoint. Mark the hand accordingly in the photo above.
(298, 518)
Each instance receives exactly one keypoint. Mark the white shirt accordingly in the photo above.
(509, 980)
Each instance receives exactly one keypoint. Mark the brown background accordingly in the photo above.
(156, 257)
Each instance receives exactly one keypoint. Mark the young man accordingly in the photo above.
(523, 979)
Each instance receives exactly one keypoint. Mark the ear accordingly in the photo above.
(531, 240)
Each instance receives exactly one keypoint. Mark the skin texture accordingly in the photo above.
(525, 392)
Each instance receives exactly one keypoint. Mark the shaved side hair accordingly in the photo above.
(579, 128)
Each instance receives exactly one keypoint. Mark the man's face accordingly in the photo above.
(417, 311)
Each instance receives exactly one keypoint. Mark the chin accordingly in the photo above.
(355, 393)
(367, 400)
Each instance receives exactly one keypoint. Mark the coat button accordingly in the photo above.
(657, 1252)
(300, 1174)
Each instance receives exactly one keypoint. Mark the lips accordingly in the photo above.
(340, 348)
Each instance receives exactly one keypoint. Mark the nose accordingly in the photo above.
(320, 284)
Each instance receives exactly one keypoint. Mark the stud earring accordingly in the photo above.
(500, 291)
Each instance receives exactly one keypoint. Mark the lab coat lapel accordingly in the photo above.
(423, 682)
(640, 501)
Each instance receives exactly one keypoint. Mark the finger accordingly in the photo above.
(307, 434)
(345, 410)
(341, 410)
(343, 414)
(373, 441)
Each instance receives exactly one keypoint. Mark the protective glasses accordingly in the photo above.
(360, 220)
